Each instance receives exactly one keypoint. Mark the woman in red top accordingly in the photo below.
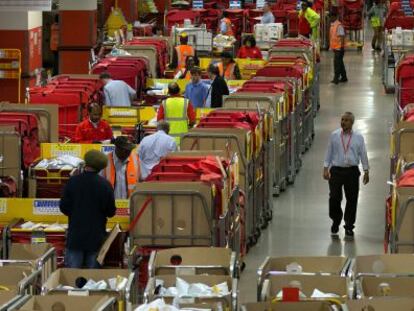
(249, 49)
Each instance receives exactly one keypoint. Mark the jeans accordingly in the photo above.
(348, 179)
(339, 66)
(81, 259)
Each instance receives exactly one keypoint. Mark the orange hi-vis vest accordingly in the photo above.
(335, 41)
(183, 51)
(54, 37)
(229, 28)
(228, 73)
(133, 171)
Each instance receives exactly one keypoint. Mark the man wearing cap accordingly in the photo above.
(181, 52)
(123, 170)
(87, 200)
(308, 21)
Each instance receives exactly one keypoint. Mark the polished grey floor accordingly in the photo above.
(301, 225)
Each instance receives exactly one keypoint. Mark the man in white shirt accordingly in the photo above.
(346, 149)
(153, 147)
(268, 17)
(117, 92)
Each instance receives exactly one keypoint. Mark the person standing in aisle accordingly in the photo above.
(87, 200)
(181, 52)
(228, 67)
(218, 88)
(308, 21)
(337, 45)
(346, 149)
(268, 17)
(196, 91)
(177, 111)
(225, 25)
(377, 15)
(153, 147)
(123, 170)
(117, 92)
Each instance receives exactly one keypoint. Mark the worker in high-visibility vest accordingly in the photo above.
(181, 52)
(337, 45)
(225, 25)
(123, 170)
(228, 67)
(178, 112)
(309, 21)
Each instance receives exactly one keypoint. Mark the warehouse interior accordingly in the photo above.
(177, 155)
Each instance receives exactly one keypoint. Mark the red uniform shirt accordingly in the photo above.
(86, 133)
(191, 115)
(249, 52)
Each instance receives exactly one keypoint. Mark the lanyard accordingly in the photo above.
(343, 143)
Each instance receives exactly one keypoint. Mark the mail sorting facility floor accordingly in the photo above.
(301, 225)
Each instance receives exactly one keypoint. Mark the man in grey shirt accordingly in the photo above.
(117, 92)
(268, 17)
(346, 149)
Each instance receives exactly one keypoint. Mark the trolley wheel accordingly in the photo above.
(283, 185)
(269, 215)
(257, 234)
(264, 222)
(291, 180)
(359, 48)
(242, 266)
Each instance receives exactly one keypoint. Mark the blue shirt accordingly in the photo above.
(336, 155)
(196, 94)
(152, 148)
(118, 94)
(267, 18)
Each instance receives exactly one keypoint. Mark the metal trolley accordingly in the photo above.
(20, 280)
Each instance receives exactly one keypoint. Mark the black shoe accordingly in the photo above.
(334, 232)
(349, 235)
(378, 49)
(343, 80)
(335, 81)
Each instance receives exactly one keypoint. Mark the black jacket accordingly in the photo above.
(87, 200)
(218, 89)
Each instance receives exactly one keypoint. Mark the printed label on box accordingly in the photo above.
(46, 207)
(3, 206)
(71, 150)
(122, 207)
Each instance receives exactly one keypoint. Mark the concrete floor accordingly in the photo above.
(301, 225)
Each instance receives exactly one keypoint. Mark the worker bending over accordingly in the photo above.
(123, 170)
(181, 52)
(225, 25)
(177, 111)
(93, 129)
(87, 200)
(117, 92)
(153, 147)
(308, 21)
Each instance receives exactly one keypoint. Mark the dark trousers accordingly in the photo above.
(348, 179)
(81, 259)
(339, 66)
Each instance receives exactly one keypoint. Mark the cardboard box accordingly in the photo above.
(210, 280)
(208, 260)
(167, 216)
(403, 138)
(288, 306)
(149, 52)
(406, 233)
(107, 244)
(401, 286)
(387, 263)
(7, 298)
(325, 283)
(70, 303)
(32, 252)
(10, 150)
(381, 304)
(11, 276)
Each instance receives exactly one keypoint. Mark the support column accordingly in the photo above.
(77, 35)
(22, 31)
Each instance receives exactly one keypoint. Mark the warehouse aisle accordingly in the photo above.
(301, 225)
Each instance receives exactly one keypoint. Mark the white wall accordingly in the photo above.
(78, 5)
(20, 20)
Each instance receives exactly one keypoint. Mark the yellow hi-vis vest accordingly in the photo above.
(175, 113)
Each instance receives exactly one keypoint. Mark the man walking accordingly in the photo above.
(337, 45)
(346, 149)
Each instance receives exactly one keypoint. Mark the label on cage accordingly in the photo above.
(61, 150)
(46, 207)
(3, 206)
(107, 148)
(122, 207)
(198, 4)
(235, 4)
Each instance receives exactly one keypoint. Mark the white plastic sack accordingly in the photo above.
(158, 305)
